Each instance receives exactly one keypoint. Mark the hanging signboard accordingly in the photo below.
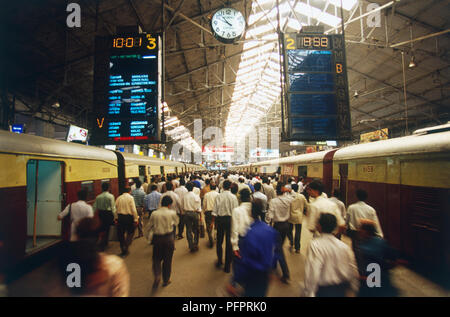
(316, 87)
(127, 89)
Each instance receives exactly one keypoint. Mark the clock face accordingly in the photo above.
(228, 24)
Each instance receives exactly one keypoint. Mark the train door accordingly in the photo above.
(162, 171)
(423, 217)
(328, 172)
(142, 173)
(301, 172)
(44, 202)
(343, 179)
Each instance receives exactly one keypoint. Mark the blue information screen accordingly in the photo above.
(316, 87)
(128, 91)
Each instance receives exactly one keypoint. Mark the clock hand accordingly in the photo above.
(225, 20)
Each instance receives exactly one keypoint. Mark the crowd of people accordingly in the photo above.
(248, 218)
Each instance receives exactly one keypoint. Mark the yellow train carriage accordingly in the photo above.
(38, 177)
(408, 181)
(138, 166)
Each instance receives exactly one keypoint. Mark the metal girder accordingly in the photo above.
(188, 19)
(175, 13)
(199, 89)
(415, 20)
(98, 17)
(137, 14)
(420, 38)
(387, 5)
(392, 86)
(205, 66)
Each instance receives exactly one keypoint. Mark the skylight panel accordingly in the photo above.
(346, 4)
(317, 14)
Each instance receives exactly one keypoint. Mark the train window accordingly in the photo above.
(302, 171)
(141, 173)
(89, 186)
(108, 181)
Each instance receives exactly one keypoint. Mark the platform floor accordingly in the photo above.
(195, 275)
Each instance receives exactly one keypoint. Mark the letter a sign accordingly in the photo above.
(74, 278)
(374, 278)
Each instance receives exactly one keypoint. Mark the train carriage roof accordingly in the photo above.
(297, 159)
(31, 144)
(413, 144)
(146, 160)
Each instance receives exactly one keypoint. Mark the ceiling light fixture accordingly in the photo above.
(412, 62)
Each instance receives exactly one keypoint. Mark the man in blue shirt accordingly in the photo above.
(257, 255)
(375, 250)
(196, 182)
(151, 201)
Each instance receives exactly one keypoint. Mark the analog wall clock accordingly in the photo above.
(227, 25)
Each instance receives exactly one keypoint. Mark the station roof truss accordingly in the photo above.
(234, 86)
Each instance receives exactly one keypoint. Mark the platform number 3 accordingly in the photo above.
(151, 42)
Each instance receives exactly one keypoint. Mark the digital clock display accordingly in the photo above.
(309, 42)
(146, 41)
(127, 90)
(316, 86)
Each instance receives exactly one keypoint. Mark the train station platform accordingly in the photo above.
(195, 275)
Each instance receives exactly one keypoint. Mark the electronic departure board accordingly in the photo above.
(127, 89)
(316, 87)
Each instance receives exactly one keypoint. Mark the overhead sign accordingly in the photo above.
(382, 134)
(17, 128)
(77, 134)
(127, 89)
(258, 152)
(217, 149)
(316, 87)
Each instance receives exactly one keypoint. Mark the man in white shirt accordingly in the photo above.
(241, 219)
(161, 184)
(181, 191)
(176, 182)
(335, 198)
(279, 215)
(268, 190)
(242, 185)
(192, 208)
(225, 203)
(330, 267)
(300, 185)
(296, 209)
(127, 219)
(289, 183)
(320, 204)
(209, 201)
(161, 224)
(355, 213)
(259, 195)
(176, 202)
(78, 211)
(361, 210)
